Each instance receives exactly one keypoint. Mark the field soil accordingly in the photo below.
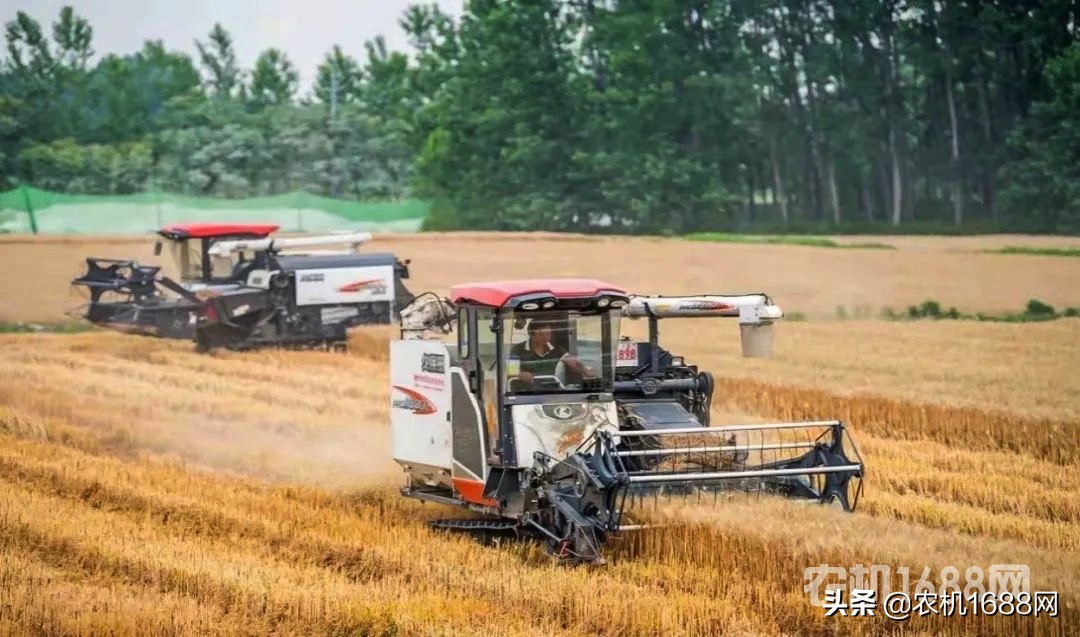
(808, 280)
(147, 489)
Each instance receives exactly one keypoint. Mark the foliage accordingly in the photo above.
(1042, 192)
(274, 80)
(88, 168)
(1040, 251)
(218, 57)
(677, 117)
(632, 116)
(153, 120)
(1034, 311)
(796, 240)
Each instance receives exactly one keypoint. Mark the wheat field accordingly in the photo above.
(150, 490)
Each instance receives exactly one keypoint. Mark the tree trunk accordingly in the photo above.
(866, 199)
(778, 180)
(751, 205)
(897, 181)
(958, 182)
(834, 195)
(987, 189)
(884, 187)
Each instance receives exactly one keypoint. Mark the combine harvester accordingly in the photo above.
(239, 288)
(549, 424)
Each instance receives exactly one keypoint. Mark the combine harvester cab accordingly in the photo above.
(302, 299)
(133, 298)
(544, 420)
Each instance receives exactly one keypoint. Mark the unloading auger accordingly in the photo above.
(549, 424)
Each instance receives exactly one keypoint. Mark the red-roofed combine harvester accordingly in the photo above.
(563, 456)
(240, 288)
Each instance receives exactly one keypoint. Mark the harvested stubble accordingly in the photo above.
(109, 521)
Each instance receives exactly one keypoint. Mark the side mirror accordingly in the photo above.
(157, 248)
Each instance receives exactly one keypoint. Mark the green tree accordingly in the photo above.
(500, 150)
(218, 58)
(385, 89)
(1042, 181)
(339, 73)
(274, 79)
(73, 36)
(126, 94)
(29, 53)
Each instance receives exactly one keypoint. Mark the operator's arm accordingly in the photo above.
(575, 364)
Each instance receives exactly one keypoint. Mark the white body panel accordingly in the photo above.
(345, 285)
(557, 429)
(701, 305)
(420, 403)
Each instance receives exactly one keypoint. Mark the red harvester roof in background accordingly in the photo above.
(201, 230)
(497, 293)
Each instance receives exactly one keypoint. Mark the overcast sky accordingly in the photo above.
(304, 29)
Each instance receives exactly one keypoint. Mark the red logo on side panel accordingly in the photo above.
(413, 401)
(356, 286)
(706, 306)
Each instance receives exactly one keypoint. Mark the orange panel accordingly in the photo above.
(473, 491)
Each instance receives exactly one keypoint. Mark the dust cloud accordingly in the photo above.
(345, 457)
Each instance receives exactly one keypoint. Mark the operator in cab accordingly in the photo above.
(539, 356)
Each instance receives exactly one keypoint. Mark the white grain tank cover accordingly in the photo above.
(346, 278)
(420, 404)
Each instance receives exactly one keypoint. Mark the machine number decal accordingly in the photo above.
(414, 401)
(626, 355)
(433, 363)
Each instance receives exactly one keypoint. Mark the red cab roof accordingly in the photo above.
(203, 230)
(497, 293)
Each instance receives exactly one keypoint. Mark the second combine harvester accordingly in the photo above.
(547, 422)
(240, 288)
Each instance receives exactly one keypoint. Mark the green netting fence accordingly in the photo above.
(26, 209)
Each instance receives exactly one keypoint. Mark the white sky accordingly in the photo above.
(304, 29)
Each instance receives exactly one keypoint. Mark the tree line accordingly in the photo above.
(161, 120)
(593, 115)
